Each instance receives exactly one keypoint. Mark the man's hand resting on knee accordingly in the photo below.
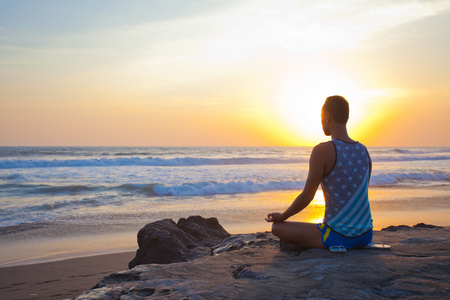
(275, 217)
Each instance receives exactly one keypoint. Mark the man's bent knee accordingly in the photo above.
(277, 228)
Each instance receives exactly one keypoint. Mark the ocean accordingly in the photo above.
(56, 199)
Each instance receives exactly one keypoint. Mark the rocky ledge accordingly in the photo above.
(252, 267)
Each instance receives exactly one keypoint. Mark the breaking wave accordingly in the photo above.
(138, 161)
(186, 161)
(423, 178)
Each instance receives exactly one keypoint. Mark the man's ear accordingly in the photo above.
(326, 117)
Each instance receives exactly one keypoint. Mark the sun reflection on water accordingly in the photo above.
(314, 212)
(318, 199)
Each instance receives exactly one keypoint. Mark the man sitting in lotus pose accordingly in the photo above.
(343, 167)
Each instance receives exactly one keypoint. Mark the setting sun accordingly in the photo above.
(301, 98)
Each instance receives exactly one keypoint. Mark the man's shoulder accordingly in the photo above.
(325, 148)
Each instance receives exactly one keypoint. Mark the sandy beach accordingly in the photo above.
(61, 279)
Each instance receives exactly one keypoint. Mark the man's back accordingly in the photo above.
(346, 190)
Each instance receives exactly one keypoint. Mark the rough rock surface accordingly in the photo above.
(165, 241)
(252, 267)
(406, 227)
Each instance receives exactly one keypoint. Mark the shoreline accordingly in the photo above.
(65, 241)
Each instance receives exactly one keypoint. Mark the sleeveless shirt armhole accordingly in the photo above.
(370, 162)
(335, 159)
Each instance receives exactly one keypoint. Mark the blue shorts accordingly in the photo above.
(332, 238)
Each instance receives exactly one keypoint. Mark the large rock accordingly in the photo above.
(165, 241)
(417, 266)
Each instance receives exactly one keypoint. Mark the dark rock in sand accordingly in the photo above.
(396, 228)
(406, 227)
(165, 241)
(427, 226)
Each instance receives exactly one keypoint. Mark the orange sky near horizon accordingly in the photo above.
(222, 73)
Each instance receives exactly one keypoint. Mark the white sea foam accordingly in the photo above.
(186, 161)
(376, 158)
(409, 178)
(232, 187)
(138, 161)
(224, 186)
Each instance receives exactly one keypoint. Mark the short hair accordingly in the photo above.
(337, 107)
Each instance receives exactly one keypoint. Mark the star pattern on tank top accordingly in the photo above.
(342, 182)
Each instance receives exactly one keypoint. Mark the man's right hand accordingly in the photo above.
(275, 217)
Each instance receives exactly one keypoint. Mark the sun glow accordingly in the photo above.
(300, 101)
(314, 212)
(319, 199)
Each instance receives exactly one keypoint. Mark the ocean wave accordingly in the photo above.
(46, 188)
(377, 158)
(412, 178)
(146, 189)
(22, 226)
(13, 177)
(404, 151)
(128, 153)
(88, 202)
(211, 187)
(232, 187)
(420, 151)
(184, 161)
(88, 199)
(252, 186)
(160, 189)
(138, 161)
(34, 210)
(69, 189)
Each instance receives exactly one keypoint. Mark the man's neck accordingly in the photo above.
(339, 132)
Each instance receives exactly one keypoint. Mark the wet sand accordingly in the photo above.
(59, 280)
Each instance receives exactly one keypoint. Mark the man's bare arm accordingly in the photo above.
(320, 156)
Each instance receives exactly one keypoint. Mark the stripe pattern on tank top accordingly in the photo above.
(355, 217)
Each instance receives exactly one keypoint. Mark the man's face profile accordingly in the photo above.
(325, 118)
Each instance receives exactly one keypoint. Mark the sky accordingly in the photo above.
(222, 72)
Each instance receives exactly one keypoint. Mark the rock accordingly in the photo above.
(428, 226)
(259, 270)
(413, 241)
(239, 241)
(406, 227)
(165, 242)
(396, 228)
(243, 271)
(204, 232)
